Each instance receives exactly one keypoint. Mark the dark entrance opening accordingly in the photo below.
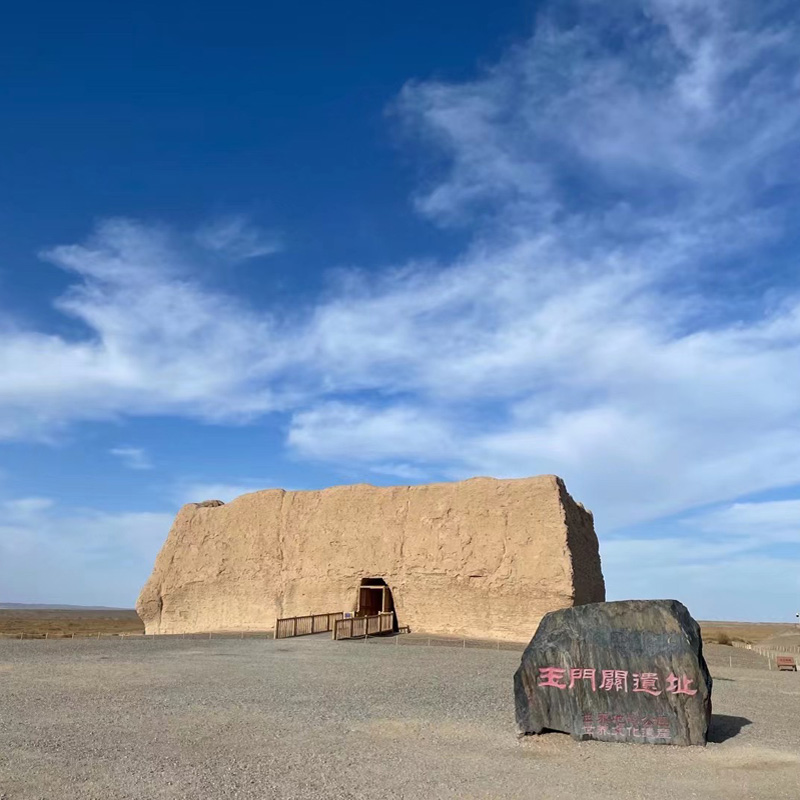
(374, 596)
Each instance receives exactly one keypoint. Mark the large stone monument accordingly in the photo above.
(478, 558)
(630, 671)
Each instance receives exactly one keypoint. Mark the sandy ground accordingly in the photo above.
(312, 718)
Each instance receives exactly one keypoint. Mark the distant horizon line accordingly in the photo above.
(62, 606)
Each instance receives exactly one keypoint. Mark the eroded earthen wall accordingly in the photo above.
(479, 558)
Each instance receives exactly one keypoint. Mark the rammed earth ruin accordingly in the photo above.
(478, 558)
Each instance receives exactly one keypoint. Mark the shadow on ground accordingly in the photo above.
(724, 727)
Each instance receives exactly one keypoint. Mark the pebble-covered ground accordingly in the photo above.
(311, 718)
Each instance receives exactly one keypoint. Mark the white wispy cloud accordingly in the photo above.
(132, 457)
(767, 521)
(364, 435)
(236, 239)
(158, 342)
(683, 120)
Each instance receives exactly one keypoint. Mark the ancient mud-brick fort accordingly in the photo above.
(479, 558)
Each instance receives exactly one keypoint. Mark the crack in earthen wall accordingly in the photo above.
(401, 574)
(279, 600)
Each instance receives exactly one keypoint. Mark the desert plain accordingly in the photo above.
(226, 717)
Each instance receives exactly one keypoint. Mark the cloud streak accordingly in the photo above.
(132, 457)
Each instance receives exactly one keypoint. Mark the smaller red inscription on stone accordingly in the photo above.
(582, 675)
(679, 685)
(662, 729)
(633, 721)
(619, 725)
(603, 721)
(588, 723)
(550, 676)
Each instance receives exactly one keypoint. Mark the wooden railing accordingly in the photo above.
(302, 626)
(358, 627)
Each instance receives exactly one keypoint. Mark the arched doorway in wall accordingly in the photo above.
(374, 596)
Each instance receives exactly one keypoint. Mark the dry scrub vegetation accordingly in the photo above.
(752, 632)
(66, 622)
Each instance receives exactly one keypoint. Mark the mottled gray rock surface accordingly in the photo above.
(629, 671)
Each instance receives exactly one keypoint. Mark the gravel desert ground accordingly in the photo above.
(311, 718)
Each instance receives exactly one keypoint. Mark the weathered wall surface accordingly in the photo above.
(482, 558)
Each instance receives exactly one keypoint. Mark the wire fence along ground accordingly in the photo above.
(770, 652)
(392, 640)
(422, 640)
(763, 649)
(740, 655)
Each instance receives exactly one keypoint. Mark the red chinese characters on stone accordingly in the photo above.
(550, 676)
(646, 682)
(582, 675)
(614, 680)
(679, 685)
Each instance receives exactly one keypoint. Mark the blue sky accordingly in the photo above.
(252, 246)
